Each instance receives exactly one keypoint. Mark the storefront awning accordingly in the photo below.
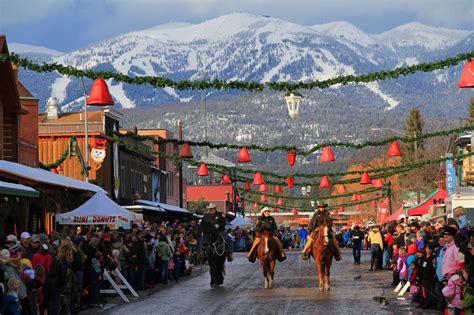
(436, 198)
(17, 190)
(42, 176)
(164, 206)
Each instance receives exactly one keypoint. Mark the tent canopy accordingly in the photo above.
(240, 221)
(17, 190)
(437, 197)
(394, 216)
(99, 209)
(166, 207)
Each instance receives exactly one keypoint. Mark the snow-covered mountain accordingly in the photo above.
(242, 46)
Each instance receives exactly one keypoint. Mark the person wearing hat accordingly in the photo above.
(376, 246)
(357, 237)
(214, 219)
(266, 223)
(321, 217)
(451, 252)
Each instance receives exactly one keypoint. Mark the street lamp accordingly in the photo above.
(99, 96)
(400, 132)
(293, 100)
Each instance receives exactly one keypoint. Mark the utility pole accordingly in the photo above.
(180, 166)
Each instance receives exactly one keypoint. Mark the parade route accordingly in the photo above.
(296, 291)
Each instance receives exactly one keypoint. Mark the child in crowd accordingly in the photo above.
(402, 268)
(453, 293)
(414, 283)
(11, 301)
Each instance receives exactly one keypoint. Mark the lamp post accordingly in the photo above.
(99, 96)
(415, 151)
(293, 100)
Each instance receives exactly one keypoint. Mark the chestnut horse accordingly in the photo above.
(323, 253)
(267, 254)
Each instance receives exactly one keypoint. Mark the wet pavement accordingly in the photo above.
(296, 291)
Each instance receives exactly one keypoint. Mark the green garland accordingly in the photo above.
(394, 170)
(73, 145)
(283, 207)
(161, 82)
(360, 192)
(301, 152)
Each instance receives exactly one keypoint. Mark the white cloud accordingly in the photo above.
(15, 12)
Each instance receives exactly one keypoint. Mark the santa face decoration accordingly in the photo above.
(98, 152)
(98, 155)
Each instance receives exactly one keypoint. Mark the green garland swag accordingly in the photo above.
(394, 171)
(73, 146)
(217, 84)
(301, 152)
(349, 194)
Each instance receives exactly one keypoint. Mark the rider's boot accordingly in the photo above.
(307, 249)
(282, 251)
(251, 256)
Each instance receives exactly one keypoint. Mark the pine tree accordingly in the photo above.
(414, 128)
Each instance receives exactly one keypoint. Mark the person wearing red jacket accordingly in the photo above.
(43, 257)
(388, 251)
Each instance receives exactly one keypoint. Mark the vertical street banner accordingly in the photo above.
(382, 210)
(450, 175)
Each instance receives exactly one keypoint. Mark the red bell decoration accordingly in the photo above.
(327, 155)
(247, 186)
(100, 95)
(263, 198)
(280, 202)
(359, 198)
(394, 149)
(325, 183)
(341, 189)
(291, 158)
(185, 152)
(378, 183)
(341, 209)
(54, 170)
(374, 202)
(244, 156)
(358, 207)
(203, 171)
(278, 189)
(291, 182)
(237, 198)
(294, 211)
(365, 179)
(60, 168)
(275, 210)
(354, 197)
(258, 179)
(262, 188)
(226, 179)
(255, 205)
(467, 76)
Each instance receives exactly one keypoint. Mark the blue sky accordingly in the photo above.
(66, 25)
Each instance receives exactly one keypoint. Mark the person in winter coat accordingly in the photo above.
(266, 223)
(462, 220)
(414, 283)
(453, 292)
(164, 252)
(357, 238)
(402, 267)
(43, 257)
(138, 261)
(10, 300)
(427, 274)
(376, 246)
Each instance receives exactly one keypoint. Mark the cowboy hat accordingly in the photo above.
(211, 206)
(264, 209)
(321, 204)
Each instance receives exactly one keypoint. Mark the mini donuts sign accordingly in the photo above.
(100, 219)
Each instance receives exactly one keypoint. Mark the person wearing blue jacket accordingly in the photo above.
(303, 236)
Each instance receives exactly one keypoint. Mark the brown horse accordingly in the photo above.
(267, 254)
(323, 253)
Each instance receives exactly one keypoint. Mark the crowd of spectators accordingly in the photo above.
(63, 272)
(436, 258)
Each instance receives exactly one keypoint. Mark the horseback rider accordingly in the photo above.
(321, 217)
(215, 219)
(266, 223)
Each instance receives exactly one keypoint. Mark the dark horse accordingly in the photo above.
(323, 253)
(267, 254)
(216, 253)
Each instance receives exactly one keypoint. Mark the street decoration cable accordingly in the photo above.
(301, 152)
(217, 84)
